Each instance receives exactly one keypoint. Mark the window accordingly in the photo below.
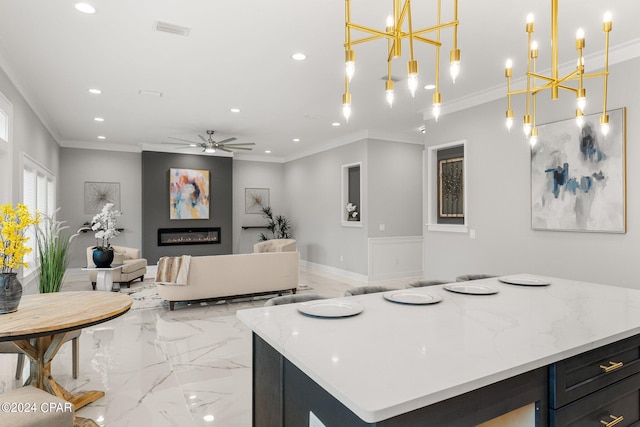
(352, 200)
(447, 188)
(38, 193)
(6, 161)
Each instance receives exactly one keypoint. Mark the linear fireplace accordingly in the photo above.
(188, 236)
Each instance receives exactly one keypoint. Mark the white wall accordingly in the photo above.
(313, 189)
(79, 165)
(499, 196)
(247, 174)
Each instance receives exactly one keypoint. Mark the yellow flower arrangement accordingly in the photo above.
(13, 227)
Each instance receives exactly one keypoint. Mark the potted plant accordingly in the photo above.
(53, 248)
(352, 212)
(13, 239)
(278, 225)
(104, 224)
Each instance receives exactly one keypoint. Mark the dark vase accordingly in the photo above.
(10, 292)
(102, 258)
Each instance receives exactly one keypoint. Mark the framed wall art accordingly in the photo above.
(450, 188)
(255, 199)
(98, 194)
(188, 194)
(578, 176)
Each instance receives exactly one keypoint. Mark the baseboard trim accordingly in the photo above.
(333, 273)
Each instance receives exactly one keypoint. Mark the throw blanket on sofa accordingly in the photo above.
(173, 270)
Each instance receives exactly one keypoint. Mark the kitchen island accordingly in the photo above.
(462, 361)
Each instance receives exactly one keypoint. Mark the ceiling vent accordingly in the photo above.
(172, 28)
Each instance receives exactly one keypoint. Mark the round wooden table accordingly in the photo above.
(39, 327)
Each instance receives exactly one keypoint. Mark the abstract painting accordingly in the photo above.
(255, 199)
(188, 194)
(450, 188)
(578, 176)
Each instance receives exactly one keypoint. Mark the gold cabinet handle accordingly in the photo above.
(615, 421)
(612, 367)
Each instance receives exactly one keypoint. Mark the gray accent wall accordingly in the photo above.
(498, 168)
(78, 166)
(155, 203)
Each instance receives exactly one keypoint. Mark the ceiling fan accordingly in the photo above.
(208, 145)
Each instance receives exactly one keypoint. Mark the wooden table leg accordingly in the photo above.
(41, 352)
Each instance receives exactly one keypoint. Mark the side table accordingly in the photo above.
(104, 281)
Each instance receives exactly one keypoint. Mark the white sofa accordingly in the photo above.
(223, 276)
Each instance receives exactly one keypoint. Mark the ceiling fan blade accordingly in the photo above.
(224, 141)
(238, 143)
(185, 140)
(203, 138)
(224, 149)
(237, 148)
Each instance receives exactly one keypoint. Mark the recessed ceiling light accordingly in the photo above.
(98, 119)
(235, 110)
(267, 151)
(85, 8)
(299, 56)
(208, 418)
(95, 91)
(430, 87)
(335, 124)
(102, 137)
(296, 139)
(423, 129)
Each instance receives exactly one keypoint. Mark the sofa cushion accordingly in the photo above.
(131, 265)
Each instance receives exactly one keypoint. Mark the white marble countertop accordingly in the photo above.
(393, 358)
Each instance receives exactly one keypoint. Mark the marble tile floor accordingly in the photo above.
(189, 367)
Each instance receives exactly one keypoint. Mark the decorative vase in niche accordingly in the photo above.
(102, 258)
(10, 292)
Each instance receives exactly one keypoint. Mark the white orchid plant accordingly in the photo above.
(104, 224)
(352, 212)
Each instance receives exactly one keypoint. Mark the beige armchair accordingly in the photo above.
(133, 267)
(275, 245)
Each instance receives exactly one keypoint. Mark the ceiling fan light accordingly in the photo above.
(209, 150)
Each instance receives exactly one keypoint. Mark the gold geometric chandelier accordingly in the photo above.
(395, 34)
(537, 83)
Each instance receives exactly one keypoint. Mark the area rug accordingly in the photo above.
(145, 295)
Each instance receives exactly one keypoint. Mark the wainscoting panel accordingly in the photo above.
(395, 257)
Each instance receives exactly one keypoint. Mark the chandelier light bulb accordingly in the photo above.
(437, 104)
(530, 18)
(454, 70)
(580, 34)
(436, 111)
(346, 105)
(389, 91)
(533, 140)
(350, 64)
(412, 81)
(527, 129)
(509, 64)
(581, 103)
(604, 124)
(454, 61)
(534, 45)
(509, 121)
(390, 22)
(580, 120)
(607, 17)
(390, 98)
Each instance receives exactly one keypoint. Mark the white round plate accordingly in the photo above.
(411, 297)
(330, 308)
(470, 288)
(524, 280)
